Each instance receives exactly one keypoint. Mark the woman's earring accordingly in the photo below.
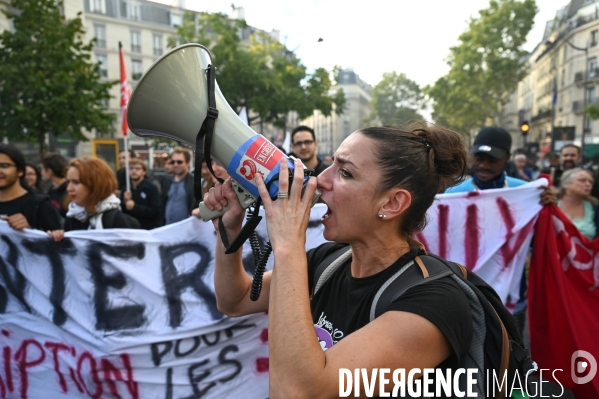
(381, 216)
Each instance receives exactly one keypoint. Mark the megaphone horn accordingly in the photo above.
(172, 100)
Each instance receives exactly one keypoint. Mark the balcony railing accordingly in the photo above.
(541, 115)
(136, 75)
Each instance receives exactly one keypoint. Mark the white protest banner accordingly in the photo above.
(487, 231)
(125, 314)
(132, 313)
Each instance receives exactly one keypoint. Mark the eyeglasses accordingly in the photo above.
(303, 143)
(178, 162)
(135, 168)
(5, 165)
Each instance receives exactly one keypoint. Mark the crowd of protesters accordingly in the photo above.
(26, 189)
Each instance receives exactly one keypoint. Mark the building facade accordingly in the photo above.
(562, 80)
(331, 130)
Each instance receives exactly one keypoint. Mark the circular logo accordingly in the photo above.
(248, 169)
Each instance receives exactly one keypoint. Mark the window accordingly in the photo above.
(590, 95)
(176, 20)
(563, 77)
(135, 41)
(134, 12)
(565, 52)
(100, 35)
(588, 124)
(594, 37)
(592, 67)
(136, 70)
(103, 60)
(157, 40)
(98, 6)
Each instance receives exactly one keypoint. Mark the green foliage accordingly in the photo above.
(48, 83)
(396, 100)
(485, 66)
(592, 111)
(259, 73)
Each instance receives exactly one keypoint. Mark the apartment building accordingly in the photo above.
(331, 130)
(562, 80)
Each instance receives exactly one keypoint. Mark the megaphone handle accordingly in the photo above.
(245, 199)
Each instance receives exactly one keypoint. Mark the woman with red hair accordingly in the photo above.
(91, 202)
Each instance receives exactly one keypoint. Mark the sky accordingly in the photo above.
(373, 36)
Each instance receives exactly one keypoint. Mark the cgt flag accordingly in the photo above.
(563, 302)
(125, 93)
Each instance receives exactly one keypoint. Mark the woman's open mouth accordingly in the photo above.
(326, 215)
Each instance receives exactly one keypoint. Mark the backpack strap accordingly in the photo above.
(395, 287)
(329, 265)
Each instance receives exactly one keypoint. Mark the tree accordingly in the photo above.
(396, 100)
(259, 73)
(48, 83)
(485, 66)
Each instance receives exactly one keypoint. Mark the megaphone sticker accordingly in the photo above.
(256, 155)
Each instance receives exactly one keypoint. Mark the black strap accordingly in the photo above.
(411, 278)
(326, 262)
(205, 134)
(248, 228)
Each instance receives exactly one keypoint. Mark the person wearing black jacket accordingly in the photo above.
(20, 206)
(93, 206)
(178, 195)
(143, 201)
(54, 169)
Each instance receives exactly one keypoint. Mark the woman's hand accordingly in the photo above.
(217, 198)
(58, 235)
(287, 218)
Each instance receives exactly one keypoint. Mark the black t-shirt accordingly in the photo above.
(37, 209)
(342, 305)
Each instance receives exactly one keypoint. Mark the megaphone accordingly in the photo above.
(171, 100)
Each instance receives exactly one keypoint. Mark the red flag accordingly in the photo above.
(563, 303)
(125, 93)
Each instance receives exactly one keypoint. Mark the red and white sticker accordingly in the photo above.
(261, 157)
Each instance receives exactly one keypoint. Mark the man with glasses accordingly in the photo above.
(23, 209)
(304, 147)
(177, 190)
(143, 202)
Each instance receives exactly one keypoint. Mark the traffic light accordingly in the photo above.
(524, 128)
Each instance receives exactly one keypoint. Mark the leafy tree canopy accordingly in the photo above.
(259, 73)
(396, 100)
(485, 66)
(48, 82)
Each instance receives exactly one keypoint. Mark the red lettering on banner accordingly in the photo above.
(264, 335)
(32, 353)
(110, 370)
(262, 364)
(94, 374)
(7, 356)
(55, 347)
(508, 250)
(472, 237)
(23, 363)
(443, 229)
